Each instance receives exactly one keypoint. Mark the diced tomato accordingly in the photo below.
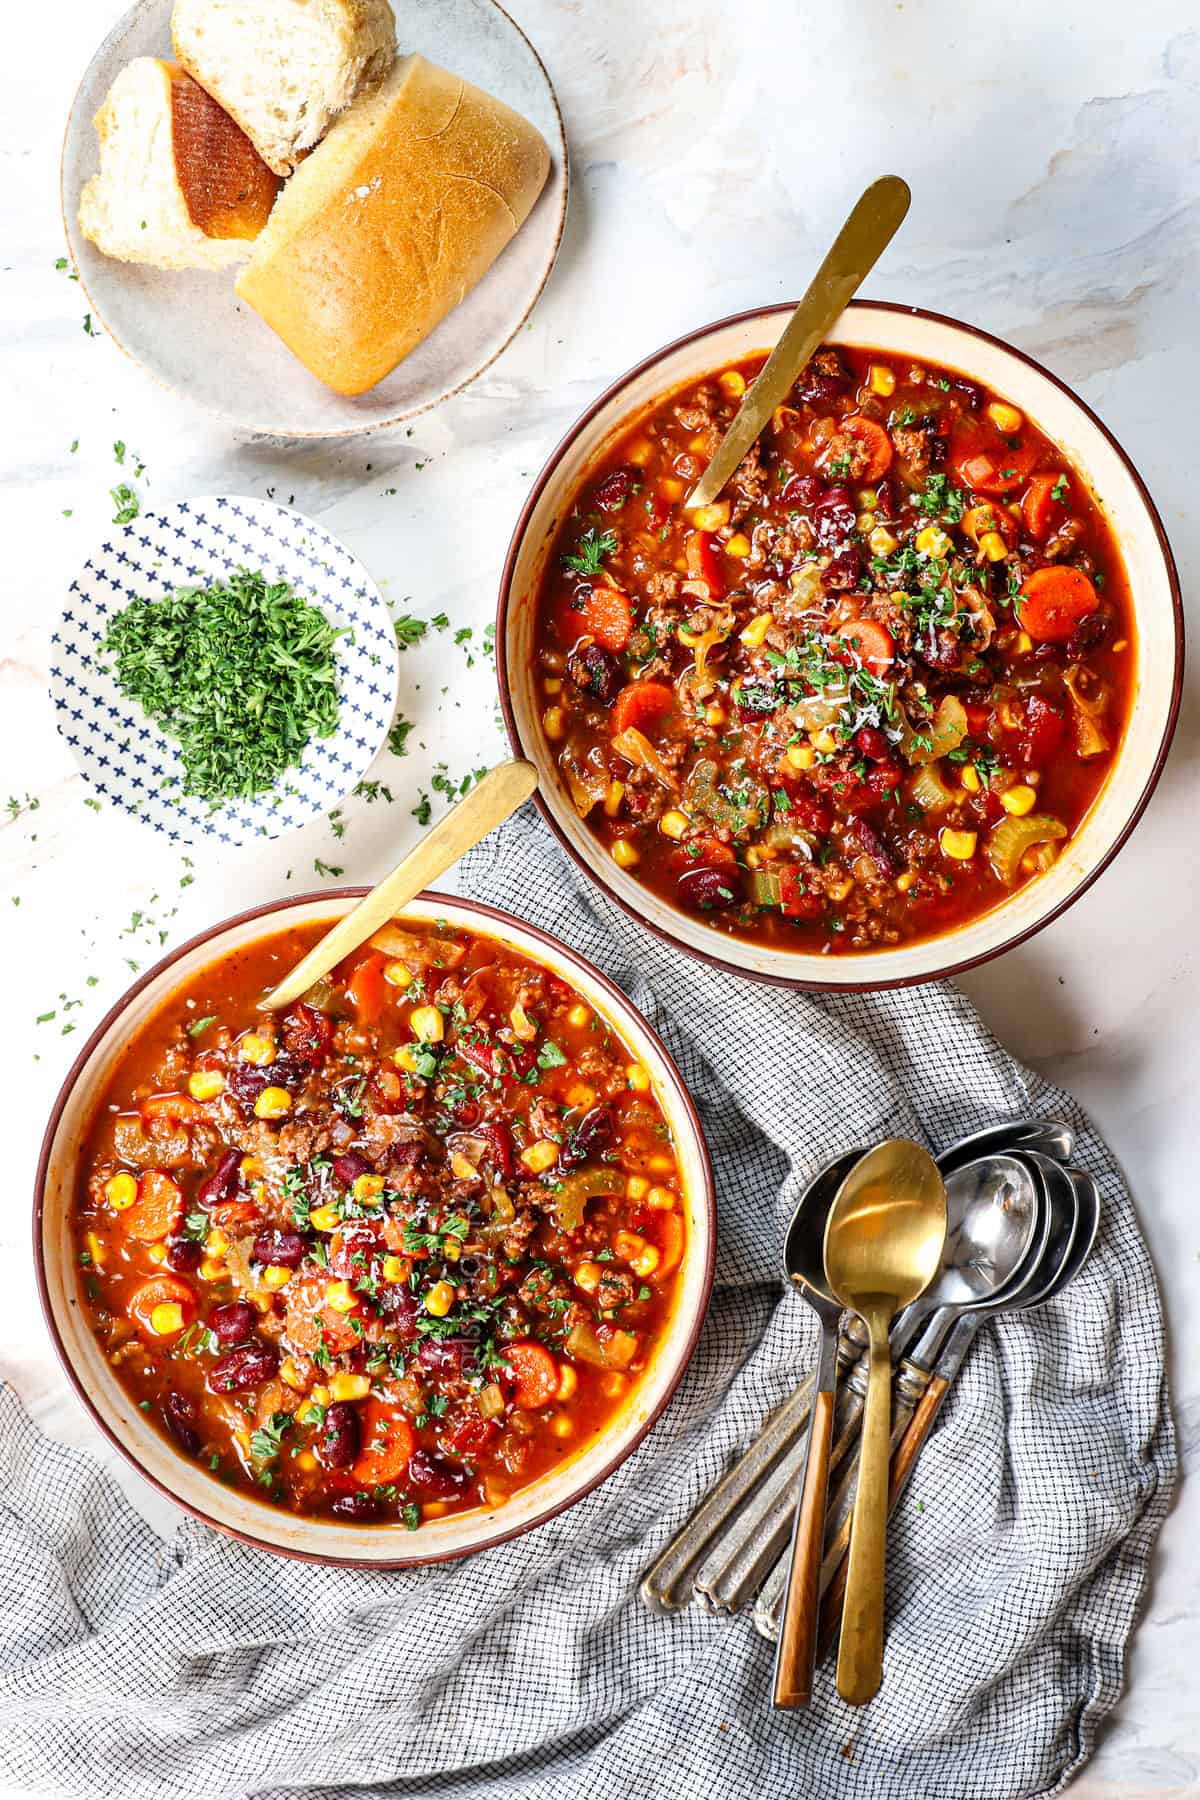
(1053, 601)
(306, 1033)
(643, 705)
(156, 1211)
(500, 1139)
(387, 1440)
(883, 779)
(669, 1238)
(231, 1214)
(985, 461)
(868, 641)
(1042, 508)
(469, 1436)
(367, 991)
(1041, 733)
(978, 717)
(160, 1290)
(701, 853)
(875, 441)
(535, 1374)
(177, 1109)
(703, 564)
(795, 901)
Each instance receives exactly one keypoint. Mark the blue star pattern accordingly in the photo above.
(125, 758)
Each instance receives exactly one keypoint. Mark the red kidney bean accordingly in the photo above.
(818, 388)
(834, 515)
(232, 1323)
(242, 1369)
(499, 1137)
(595, 672)
(348, 1168)
(592, 1136)
(843, 571)
(615, 489)
(341, 1436)
(870, 742)
(1089, 634)
(709, 889)
(873, 845)
(435, 1476)
(359, 1507)
(447, 1356)
(222, 1182)
(398, 1305)
(180, 1415)
(285, 1248)
(184, 1255)
(307, 1034)
(802, 490)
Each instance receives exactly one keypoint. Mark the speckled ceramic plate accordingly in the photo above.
(191, 332)
(126, 757)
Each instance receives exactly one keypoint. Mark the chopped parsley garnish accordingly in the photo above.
(590, 552)
(265, 1443)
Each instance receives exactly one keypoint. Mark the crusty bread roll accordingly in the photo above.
(391, 221)
(284, 68)
(180, 185)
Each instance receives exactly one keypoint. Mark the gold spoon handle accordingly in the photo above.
(488, 804)
(860, 1651)
(870, 228)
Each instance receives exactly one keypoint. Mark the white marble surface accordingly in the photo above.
(1053, 155)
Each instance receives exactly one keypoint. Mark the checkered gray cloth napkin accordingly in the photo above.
(201, 1668)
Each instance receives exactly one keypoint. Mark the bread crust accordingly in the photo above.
(391, 221)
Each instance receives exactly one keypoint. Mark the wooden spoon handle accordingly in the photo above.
(796, 1654)
(488, 804)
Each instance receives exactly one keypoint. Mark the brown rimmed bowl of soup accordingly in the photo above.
(393, 1275)
(890, 705)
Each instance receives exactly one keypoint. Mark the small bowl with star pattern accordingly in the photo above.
(223, 669)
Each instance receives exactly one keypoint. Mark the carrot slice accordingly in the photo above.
(156, 1211)
(702, 853)
(643, 705)
(1041, 507)
(607, 615)
(875, 441)
(367, 990)
(387, 1445)
(669, 1237)
(870, 641)
(160, 1290)
(1053, 601)
(177, 1109)
(535, 1374)
(701, 553)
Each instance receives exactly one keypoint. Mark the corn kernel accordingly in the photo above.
(398, 974)
(273, 1103)
(206, 1084)
(396, 1268)
(367, 1187)
(757, 630)
(637, 1187)
(882, 379)
(166, 1318)
(427, 1025)
(1004, 417)
(993, 546)
(753, 857)
(906, 881)
(578, 1017)
(276, 1276)
(157, 1253)
(613, 796)
(522, 1024)
(339, 1298)
(625, 854)
(320, 1395)
(1018, 800)
(554, 723)
(958, 845)
(670, 489)
(662, 1165)
(349, 1387)
(628, 1244)
(462, 1168)
(406, 1058)
(561, 1426)
(738, 545)
(306, 1461)
(613, 1385)
(95, 1250)
(452, 1249)
(257, 1049)
(637, 1078)
(711, 518)
(325, 1218)
(540, 1156)
(645, 1262)
(251, 1168)
(568, 1381)
(673, 824)
(552, 685)
(217, 1242)
(121, 1191)
(970, 778)
(934, 542)
(640, 453)
(801, 756)
(865, 522)
(1023, 644)
(824, 741)
(714, 714)
(662, 1199)
(734, 382)
(841, 890)
(881, 541)
(579, 1094)
(1121, 644)
(291, 1373)
(439, 1299)
(587, 1276)
(211, 1270)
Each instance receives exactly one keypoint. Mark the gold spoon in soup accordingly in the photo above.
(870, 228)
(884, 1240)
(492, 800)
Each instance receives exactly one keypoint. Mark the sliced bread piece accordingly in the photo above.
(180, 185)
(284, 68)
(391, 221)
